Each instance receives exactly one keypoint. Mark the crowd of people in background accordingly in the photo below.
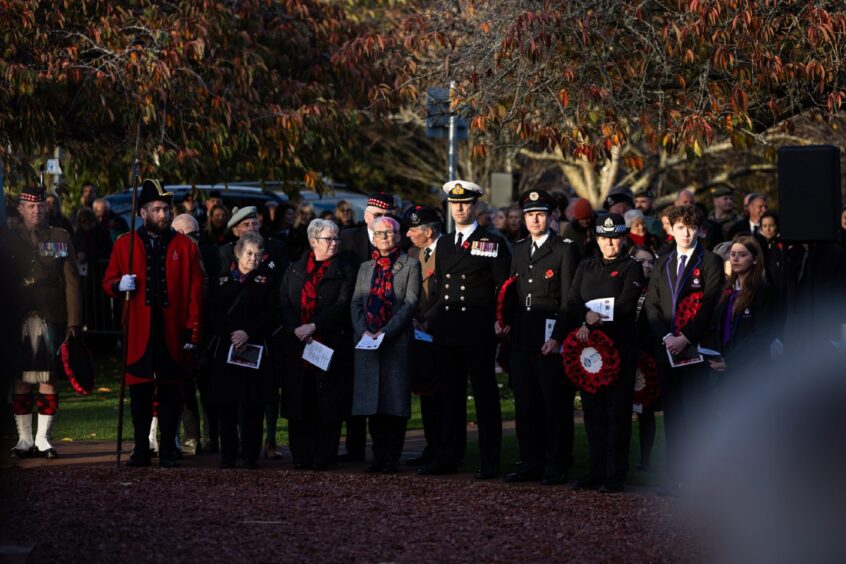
(229, 305)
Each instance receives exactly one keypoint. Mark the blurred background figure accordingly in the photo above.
(54, 213)
(109, 220)
(344, 214)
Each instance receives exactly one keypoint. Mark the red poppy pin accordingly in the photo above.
(615, 273)
(548, 274)
(430, 273)
(465, 245)
(696, 272)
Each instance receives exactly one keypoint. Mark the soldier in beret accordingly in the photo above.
(424, 230)
(470, 266)
(165, 298)
(48, 310)
(542, 268)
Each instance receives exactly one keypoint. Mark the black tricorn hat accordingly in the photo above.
(78, 365)
(419, 215)
(151, 191)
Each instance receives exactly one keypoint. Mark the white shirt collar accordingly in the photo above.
(466, 231)
(433, 245)
(370, 236)
(687, 253)
(541, 240)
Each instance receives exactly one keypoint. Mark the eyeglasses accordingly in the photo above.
(330, 239)
(378, 214)
(384, 234)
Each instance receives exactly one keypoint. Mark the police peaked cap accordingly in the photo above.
(611, 225)
(537, 200)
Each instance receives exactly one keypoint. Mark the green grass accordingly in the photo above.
(94, 417)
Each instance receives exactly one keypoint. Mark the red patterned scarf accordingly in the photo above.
(381, 299)
(308, 297)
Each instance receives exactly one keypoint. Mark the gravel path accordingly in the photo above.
(105, 514)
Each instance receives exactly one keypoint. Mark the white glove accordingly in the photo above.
(127, 283)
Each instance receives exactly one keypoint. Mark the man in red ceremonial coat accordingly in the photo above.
(165, 288)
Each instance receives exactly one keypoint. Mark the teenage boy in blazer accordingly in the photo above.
(684, 292)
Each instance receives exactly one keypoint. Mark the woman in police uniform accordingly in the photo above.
(608, 417)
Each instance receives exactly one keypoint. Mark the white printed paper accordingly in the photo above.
(250, 357)
(547, 334)
(318, 354)
(368, 343)
(603, 306)
(423, 336)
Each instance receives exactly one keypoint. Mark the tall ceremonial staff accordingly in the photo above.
(126, 309)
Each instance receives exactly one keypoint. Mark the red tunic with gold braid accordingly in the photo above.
(166, 307)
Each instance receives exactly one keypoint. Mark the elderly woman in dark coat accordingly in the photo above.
(384, 301)
(242, 312)
(315, 305)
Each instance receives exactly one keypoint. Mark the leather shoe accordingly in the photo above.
(137, 462)
(21, 453)
(351, 457)
(554, 479)
(418, 461)
(485, 474)
(431, 470)
(586, 483)
(390, 467)
(168, 463)
(375, 467)
(49, 454)
(611, 487)
(523, 476)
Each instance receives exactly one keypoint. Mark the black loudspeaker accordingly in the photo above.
(809, 193)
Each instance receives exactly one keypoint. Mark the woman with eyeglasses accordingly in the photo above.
(315, 306)
(383, 304)
(345, 215)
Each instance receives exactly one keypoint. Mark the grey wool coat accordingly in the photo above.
(382, 379)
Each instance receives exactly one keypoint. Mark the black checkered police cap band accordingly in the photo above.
(462, 191)
(611, 225)
(537, 200)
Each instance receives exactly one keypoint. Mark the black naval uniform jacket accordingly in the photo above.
(466, 281)
(542, 285)
(621, 279)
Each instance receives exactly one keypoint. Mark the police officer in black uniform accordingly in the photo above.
(470, 266)
(608, 412)
(542, 268)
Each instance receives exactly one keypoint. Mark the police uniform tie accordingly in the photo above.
(459, 240)
(534, 248)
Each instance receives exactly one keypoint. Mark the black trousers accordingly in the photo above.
(169, 398)
(249, 417)
(608, 424)
(388, 435)
(686, 398)
(314, 439)
(456, 364)
(211, 412)
(430, 413)
(543, 398)
(356, 440)
(646, 434)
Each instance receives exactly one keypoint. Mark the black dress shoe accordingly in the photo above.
(523, 476)
(586, 483)
(302, 466)
(21, 453)
(49, 454)
(251, 465)
(554, 479)
(351, 457)
(138, 462)
(418, 461)
(432, 470)
(375, 466)
(168, 463)
(611, 487)
(391, 467)
(485, 474)
(227, 465)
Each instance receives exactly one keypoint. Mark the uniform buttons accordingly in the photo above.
(463, 288)
(463, 309)
(446, 297)
(446, 308)
(447, 286)
(531, 267)
(462, 298)
(463, 277)
(530, 280)
(449, 276)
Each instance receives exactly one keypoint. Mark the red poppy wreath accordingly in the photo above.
(593, 365)
(687, 309)
(502, 299)
(646, 388)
